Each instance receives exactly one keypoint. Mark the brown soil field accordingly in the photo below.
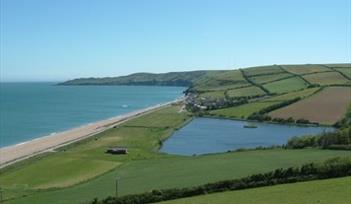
(326, 78)
(325, 107)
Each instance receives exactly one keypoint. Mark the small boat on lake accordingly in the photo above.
(250, 126)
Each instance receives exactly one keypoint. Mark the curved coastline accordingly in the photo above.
(14, 153)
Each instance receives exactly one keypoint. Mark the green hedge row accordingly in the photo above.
(336, 167)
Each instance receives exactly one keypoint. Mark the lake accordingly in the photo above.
(208, 135)
(32, 110)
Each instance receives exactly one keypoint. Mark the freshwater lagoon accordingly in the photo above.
(209, 135)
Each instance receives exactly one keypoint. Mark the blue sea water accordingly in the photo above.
(207, 135)
(32, 110)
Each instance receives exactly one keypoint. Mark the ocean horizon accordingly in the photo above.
(30, 110)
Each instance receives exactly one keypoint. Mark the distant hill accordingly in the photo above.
(164, 79)
(267, 78)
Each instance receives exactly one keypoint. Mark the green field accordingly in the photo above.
(322, 192)
(326, 78)
(242, 111)
(84, 160)
(247, 91)
(344, 65)
(261, 70)
(213, 94)
(141, 170)
(289, 96)
(346, 71)
(221, 81)
(286, 85)
(82, 171)
(305, 69)
(173, 171)
(268, 78)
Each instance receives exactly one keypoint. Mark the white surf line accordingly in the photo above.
(18, 152)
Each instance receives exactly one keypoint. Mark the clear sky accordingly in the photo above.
(64, 39)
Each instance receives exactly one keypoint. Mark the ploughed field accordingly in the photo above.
(326, 107)
(83, 171)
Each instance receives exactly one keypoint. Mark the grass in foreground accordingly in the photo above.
(143, 169)
(321, 192)
(175, 171)
(86, 160)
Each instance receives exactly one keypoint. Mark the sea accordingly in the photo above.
(33, 110)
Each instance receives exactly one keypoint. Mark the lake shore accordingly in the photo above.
(24, 150)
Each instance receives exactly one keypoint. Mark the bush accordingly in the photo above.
(302, 121)
(325, 140)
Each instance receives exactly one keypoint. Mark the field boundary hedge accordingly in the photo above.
(332, 168)
(247, 78)
(297, 75)
(335, 70)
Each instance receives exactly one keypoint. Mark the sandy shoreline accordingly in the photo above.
(24, 150)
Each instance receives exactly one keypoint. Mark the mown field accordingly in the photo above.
(321, 192)
(82, 171)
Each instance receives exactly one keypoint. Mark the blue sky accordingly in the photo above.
(63, 39)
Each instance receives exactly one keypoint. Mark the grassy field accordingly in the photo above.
(82, 171)
(346, 71)
(221, 81)
(85, 171)
(213, 94)
(286, 85)
(326, 78)
(326, 107)
(173, 171)
(268, 78)
(254, 71)
(242, 111)
(84, 160)
(247, 91)
(288, 96)
(344, 65)
(321, 192)
(305, 69)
